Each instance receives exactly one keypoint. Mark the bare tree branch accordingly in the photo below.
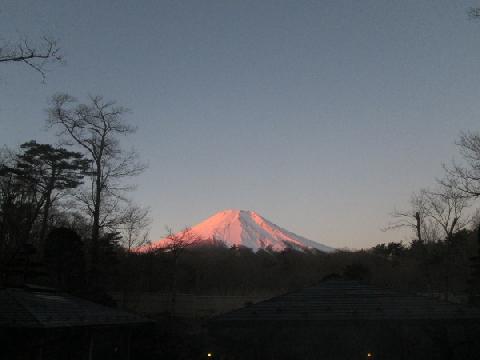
(134, 225)
(465, 178)
(35, 56)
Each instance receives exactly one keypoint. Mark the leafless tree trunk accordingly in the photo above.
(413, 218)
(418, 225)
(446, 207)
(95, 128)
(135, 221)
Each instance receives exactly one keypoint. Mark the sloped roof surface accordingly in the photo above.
(348, 300)
(40, 309)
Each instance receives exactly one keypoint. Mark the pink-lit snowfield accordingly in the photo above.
(249, 229)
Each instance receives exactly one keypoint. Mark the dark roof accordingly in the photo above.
(42, 309)
(340, 300)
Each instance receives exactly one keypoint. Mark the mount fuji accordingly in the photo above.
(249, 229)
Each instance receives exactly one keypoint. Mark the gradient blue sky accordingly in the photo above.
(320, 115)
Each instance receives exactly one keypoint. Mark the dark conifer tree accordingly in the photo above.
(52, 170)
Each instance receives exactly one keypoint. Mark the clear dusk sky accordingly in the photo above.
(322, 116)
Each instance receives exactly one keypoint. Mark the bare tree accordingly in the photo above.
(36, 56)
(465, 178)
(95, 127)
(432, 212)
(135, 221)
(446, 206)
(176, 244)
(414, 218)
(474, 13)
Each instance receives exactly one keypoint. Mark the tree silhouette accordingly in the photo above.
(465, 178)
(95, 127)
(175, 244)
(53, 170)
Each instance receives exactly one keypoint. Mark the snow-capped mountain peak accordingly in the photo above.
(248, 228)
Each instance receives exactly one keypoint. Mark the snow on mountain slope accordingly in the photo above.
(247, 228)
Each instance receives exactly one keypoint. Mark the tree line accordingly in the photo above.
(66, 221)
(438, 217)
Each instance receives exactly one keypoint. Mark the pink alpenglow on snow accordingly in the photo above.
(249, 229)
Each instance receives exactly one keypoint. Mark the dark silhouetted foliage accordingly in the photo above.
(65, 259)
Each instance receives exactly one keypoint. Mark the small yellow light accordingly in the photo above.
(369, 354)
(209, 354)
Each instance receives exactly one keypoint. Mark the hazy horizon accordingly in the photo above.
(320, 116)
